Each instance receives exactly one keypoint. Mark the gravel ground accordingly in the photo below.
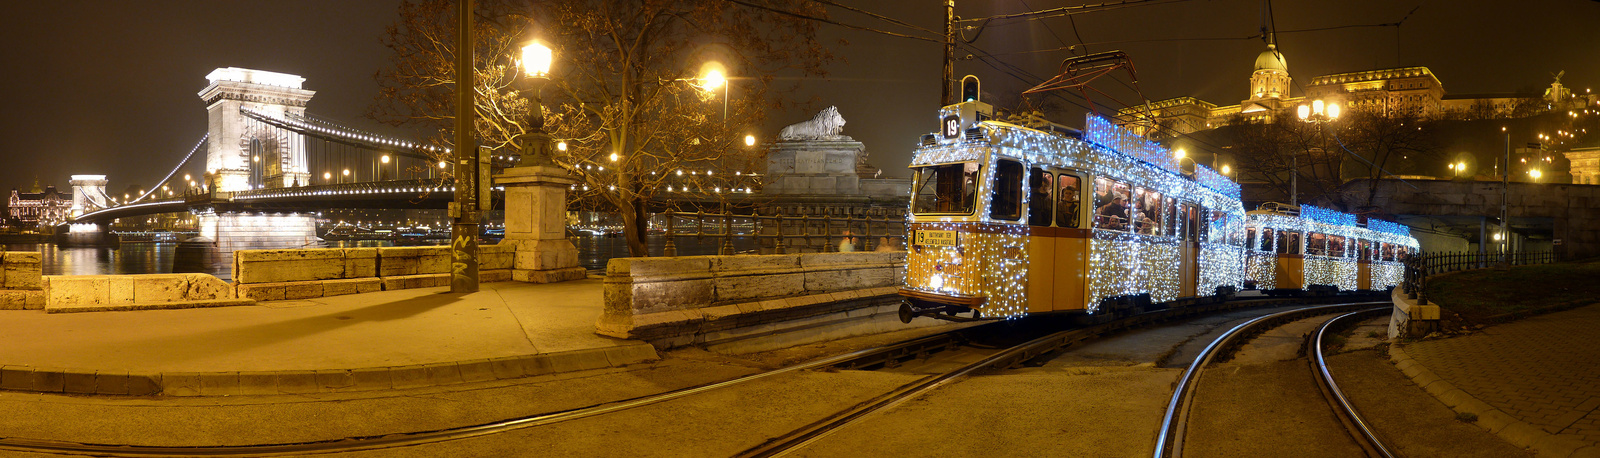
(1264, 409)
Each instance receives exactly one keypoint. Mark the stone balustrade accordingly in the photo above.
(318, 272)
(23, 287)
(673, 301)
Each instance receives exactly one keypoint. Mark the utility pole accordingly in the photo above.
(1505, 187)
(464, 231)
(946, 94)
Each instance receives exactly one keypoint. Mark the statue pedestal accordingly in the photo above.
(819, 167)
(536, 224)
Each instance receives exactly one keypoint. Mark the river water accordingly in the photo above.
(152, 258)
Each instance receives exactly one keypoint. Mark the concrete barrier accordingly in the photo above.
(99, 293)
(697, 299)
(23, 285)
(319, 272)
(1410, 320)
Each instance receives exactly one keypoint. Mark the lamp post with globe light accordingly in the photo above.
(536, 189)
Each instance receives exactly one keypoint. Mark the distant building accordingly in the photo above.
(1393, 91)
(1585, 164)
(39, 208)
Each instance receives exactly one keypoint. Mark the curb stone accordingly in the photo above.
(253, 383)
(1495, 421)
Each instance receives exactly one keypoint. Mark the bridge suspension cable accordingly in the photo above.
(175, 170)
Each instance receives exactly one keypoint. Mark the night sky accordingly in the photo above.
(109, 87)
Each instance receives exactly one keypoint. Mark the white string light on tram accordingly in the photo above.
(1121, 264)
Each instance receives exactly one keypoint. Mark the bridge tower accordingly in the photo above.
(281, 157)
(88, 193)
(237, 150)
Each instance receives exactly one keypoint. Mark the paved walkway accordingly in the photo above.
(389, 339)
(1543, 370)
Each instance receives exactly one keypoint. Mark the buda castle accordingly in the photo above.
(1392, 92)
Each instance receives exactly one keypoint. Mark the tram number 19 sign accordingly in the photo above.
(935, 238)
(951, 126)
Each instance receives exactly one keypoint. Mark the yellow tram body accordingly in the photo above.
(1294, 248)
(1009, 220)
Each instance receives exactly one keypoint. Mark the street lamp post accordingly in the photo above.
(1505, 188)
(1317, 113)
(464, 229)
(714, 79)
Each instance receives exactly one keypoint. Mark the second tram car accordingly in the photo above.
(1296, 249)
(1008, 220)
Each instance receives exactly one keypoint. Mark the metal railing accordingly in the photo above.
(1420, 266)
(830, 228)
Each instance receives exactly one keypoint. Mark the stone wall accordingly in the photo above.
(318, 272)
(1568, 206)
(683, 300)
(23, 285)
(95, 293)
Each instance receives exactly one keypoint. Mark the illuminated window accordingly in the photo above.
(1067, 198)
(1111, 204)
(946, 189)
(1039, 186)
(1006, 200)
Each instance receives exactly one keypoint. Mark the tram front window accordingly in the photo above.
(946, 189)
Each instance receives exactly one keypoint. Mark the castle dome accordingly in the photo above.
(1271, 59)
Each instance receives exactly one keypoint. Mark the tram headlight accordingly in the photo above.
(937, 282)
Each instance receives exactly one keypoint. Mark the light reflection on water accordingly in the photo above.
(131, 258)
(154, 258)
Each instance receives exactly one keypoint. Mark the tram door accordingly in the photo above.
(1190, 251)
(1071, 243)
(1041, 241)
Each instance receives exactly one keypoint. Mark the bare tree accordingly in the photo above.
(1362, 143)
(627, 97)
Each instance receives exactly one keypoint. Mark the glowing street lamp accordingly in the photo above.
(749, 140)
(536, 61)
(714, 79)
(1318, 113)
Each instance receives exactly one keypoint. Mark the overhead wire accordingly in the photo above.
(829, 21)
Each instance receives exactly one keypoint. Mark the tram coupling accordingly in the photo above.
(912, 308)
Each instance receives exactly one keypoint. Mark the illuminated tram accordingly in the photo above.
(1008, 220)
(1320, 251)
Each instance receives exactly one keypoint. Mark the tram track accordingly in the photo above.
(1173, 437)
(868, 359)
(1011, 357)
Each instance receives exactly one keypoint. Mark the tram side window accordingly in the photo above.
(1221, 231)
(1169, 212)
(1317, 244)
(1006, 200)
(1336, 246)
(1039, 185)
(1250, 237)
(1388, 252)
(1366, 250)
(1266, 239)
(1147, 213)
(949, 188)
(1288, 242)
(1191, 223)
(1111, 204)
(1067, 196)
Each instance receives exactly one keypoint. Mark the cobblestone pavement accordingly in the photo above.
(1543, 370)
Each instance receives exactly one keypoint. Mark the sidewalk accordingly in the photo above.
(1533, 381)
(374, 341)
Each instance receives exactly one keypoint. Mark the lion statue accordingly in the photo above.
(826, 125)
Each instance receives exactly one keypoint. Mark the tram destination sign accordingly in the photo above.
(935, 238)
